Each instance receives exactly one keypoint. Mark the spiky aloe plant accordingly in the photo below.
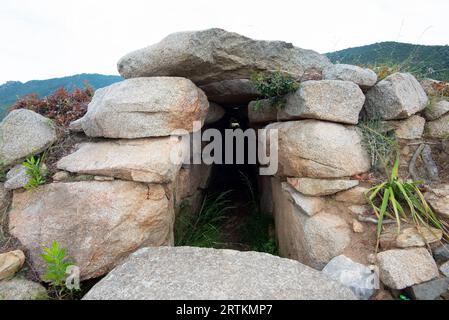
(404, 202)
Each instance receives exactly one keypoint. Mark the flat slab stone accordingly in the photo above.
(144, 160)
(321, 187)
(213, 55)
(185, 273)
(363, 77)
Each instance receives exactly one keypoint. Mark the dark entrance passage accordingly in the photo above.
(244, 226)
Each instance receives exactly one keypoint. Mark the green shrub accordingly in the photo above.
(402, 201)
(57, 264)
(35, 172)
(273, 86)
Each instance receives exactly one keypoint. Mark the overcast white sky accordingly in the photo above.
(52, 38)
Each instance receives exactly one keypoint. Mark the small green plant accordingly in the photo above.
(35, 172)
(57, 264)
(402, 201)
(202, 229)
(273, 86)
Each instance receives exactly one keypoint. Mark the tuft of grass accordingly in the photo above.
(256, 230)
(202, 229)
(402, 201)
(273, 86)
(35, 172)
(380, 142)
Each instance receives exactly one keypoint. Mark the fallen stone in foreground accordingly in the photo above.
(361, 279)
(404, 268)
(185, 273)
(214, 55)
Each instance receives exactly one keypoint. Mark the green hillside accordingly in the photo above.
(423, 61)
(10, 91)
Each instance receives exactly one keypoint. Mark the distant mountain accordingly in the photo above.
(11, 90)
(423, 61)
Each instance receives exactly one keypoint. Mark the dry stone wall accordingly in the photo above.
(118, 191)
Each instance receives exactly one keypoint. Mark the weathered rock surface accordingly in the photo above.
(17, 177)
(145, 107)
(354, 196)
(441, 254)
(317, 149)
(24, 133)
(61, 176)
(145, 160)
(438, 129)
(365, 78)
(76, 126)
(99, 223)
(330, 100)
(430, 86)
(321, 187)
(190, 179)
(444, 268)
(327, 236)
(5, 198)
(22, 289)
(409, 237)
(403, 268)
(10, 263)
(308, 205)
(262, 111)
(357, 227)
(214, 55)
(438, 199)
(231, 93)
(436, 110)
(409, 129)
(313, 239)
(185, 273)
(431, 290)
(396, 97)
(362, 280)
(215, 113)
